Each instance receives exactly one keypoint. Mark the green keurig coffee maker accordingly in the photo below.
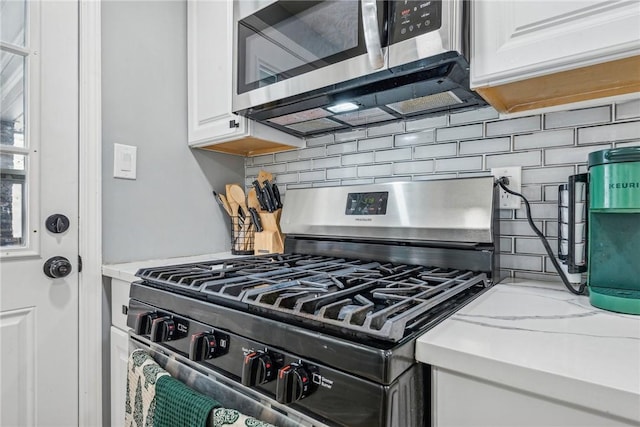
(613, 273)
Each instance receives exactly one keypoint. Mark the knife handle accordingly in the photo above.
(260, 195)
(256, 219)
(276, 196)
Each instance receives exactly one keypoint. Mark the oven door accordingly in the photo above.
(287, 48)
(229, 393)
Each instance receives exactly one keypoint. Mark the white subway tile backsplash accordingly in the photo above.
(459, 132)
(350, 135)
(423, 166)
(287, 156)
(435, 150)
(374, 170)
(299, 166)
(518, 228)
(534, 246)
(327, 162)
(286, 178)
(390, 129)
(482, 146)
(357, 159)
(506, 245)
(521, 262)
(479, 115)
(357, 181)
(558, 156)
(428, 123)
(547, 175)
(543, 139)
(628, 110)
(463, 150)
(628, 144)
(375, 143)
(311, 153)
(526, 158)
(351, 172)
(609, 133)
(458, 164)
(533, 193)
(415, 138)
(584, 116)
(512, 126)
(393, 179)
(346, 147)
(312, 176)
(434, 176)
(321, 140)
(393, 155)
(262, 160)
(539, 211)
(327, 184)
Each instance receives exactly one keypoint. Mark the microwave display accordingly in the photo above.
(290, 38)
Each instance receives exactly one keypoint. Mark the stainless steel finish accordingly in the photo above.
(447, 38)
(456, 210)
(458, 258)
(230, 394)
(326, 76)
(371, 34)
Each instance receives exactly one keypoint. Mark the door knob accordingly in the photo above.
(57, 267)
(57, 223)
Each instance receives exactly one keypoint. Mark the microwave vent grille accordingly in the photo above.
(426, 103)
(315, 125)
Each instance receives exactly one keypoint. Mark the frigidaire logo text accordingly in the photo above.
(617, 185)
(364, 219)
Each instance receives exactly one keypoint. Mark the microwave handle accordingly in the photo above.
(371, 33)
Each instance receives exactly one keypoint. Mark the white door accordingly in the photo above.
(39, 154)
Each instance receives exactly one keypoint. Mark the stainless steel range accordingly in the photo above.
(325, 333)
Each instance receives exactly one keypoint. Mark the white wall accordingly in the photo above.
(169, 210)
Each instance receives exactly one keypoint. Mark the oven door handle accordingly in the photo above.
(371, 33)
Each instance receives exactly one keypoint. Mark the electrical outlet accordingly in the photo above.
(514, 173)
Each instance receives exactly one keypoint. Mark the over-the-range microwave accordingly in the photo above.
(312, 67)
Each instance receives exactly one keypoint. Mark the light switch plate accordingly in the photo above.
(124, 161)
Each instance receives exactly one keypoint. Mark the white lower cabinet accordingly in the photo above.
(459, 400)
(119, 357)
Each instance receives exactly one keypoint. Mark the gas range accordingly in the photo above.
(328, 328)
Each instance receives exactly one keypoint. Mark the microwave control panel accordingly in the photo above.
(412, 18)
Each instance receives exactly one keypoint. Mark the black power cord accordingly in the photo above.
(503, 182)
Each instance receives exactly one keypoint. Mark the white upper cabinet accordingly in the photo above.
(212, 125)
(531, 54)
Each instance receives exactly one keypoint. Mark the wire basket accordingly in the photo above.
(242, 236)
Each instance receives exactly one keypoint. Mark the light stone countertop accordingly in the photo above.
(539, 337)
(127, 271)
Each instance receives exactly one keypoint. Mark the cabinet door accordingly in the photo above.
(517, 40)
(119, 357)
(209, 40)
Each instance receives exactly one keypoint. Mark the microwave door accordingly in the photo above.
(289, 48)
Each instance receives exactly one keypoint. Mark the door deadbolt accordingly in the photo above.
(57, 223)
(57, 267)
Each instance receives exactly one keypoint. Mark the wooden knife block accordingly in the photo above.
(270, 239)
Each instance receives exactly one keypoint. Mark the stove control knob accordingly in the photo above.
(208, 345)
(259, 367)
(162, 329)
(144, 321)
(294, 383)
